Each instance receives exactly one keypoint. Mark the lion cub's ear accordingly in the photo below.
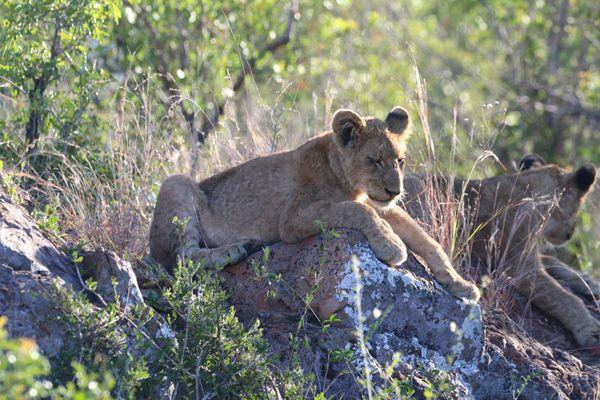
(530, 161)
(584, 177)
(397, 120)
(346, 126)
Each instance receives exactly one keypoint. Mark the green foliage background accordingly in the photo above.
(538, 59)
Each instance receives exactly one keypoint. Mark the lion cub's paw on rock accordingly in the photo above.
(234, 252)
(464, 290)
(390, 250)
(589, 336)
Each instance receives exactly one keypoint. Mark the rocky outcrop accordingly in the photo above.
(405, 317)
(32, 267)
(356, 319)
(29, 264)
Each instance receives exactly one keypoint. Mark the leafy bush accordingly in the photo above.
(211, 353)
(215, 355)
(24, 372)
(43, 43)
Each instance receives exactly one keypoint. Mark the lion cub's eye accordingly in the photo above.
(401, 162)
(373, 161)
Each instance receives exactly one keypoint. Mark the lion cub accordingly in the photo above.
(347, 178)
(508, 215)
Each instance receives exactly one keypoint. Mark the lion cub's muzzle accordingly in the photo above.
(391, 197)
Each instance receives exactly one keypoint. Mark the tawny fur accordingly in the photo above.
(509, 214)
(347, 178)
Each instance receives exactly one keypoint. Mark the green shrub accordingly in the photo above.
(24, 374)
(215, 355)
(211, 354)
(43, 43)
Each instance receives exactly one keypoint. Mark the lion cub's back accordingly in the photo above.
(246, 200)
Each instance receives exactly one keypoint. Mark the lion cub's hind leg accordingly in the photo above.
(176, 230)
(547, 294)
(579, 283)
(221, 256)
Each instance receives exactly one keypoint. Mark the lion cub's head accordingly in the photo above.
(372, 153)
(570, 188)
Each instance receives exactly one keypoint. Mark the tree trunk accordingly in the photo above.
(36, 114)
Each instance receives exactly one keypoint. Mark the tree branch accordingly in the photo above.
(36, 94)
(556, 36)
(210, 121)
(169, 84)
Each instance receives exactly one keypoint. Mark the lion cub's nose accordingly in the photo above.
(569, 236)
(392, 193)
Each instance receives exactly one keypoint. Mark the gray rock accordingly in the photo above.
(117, 282)
(405, 317)
(114, 276)
(24, 301)
(29, 263)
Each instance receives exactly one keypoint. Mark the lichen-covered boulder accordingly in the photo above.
(32, 266)
(388, 316)
(29, 265)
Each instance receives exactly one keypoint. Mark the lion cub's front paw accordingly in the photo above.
(464, 289)
(589, 335)
(389, 249)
